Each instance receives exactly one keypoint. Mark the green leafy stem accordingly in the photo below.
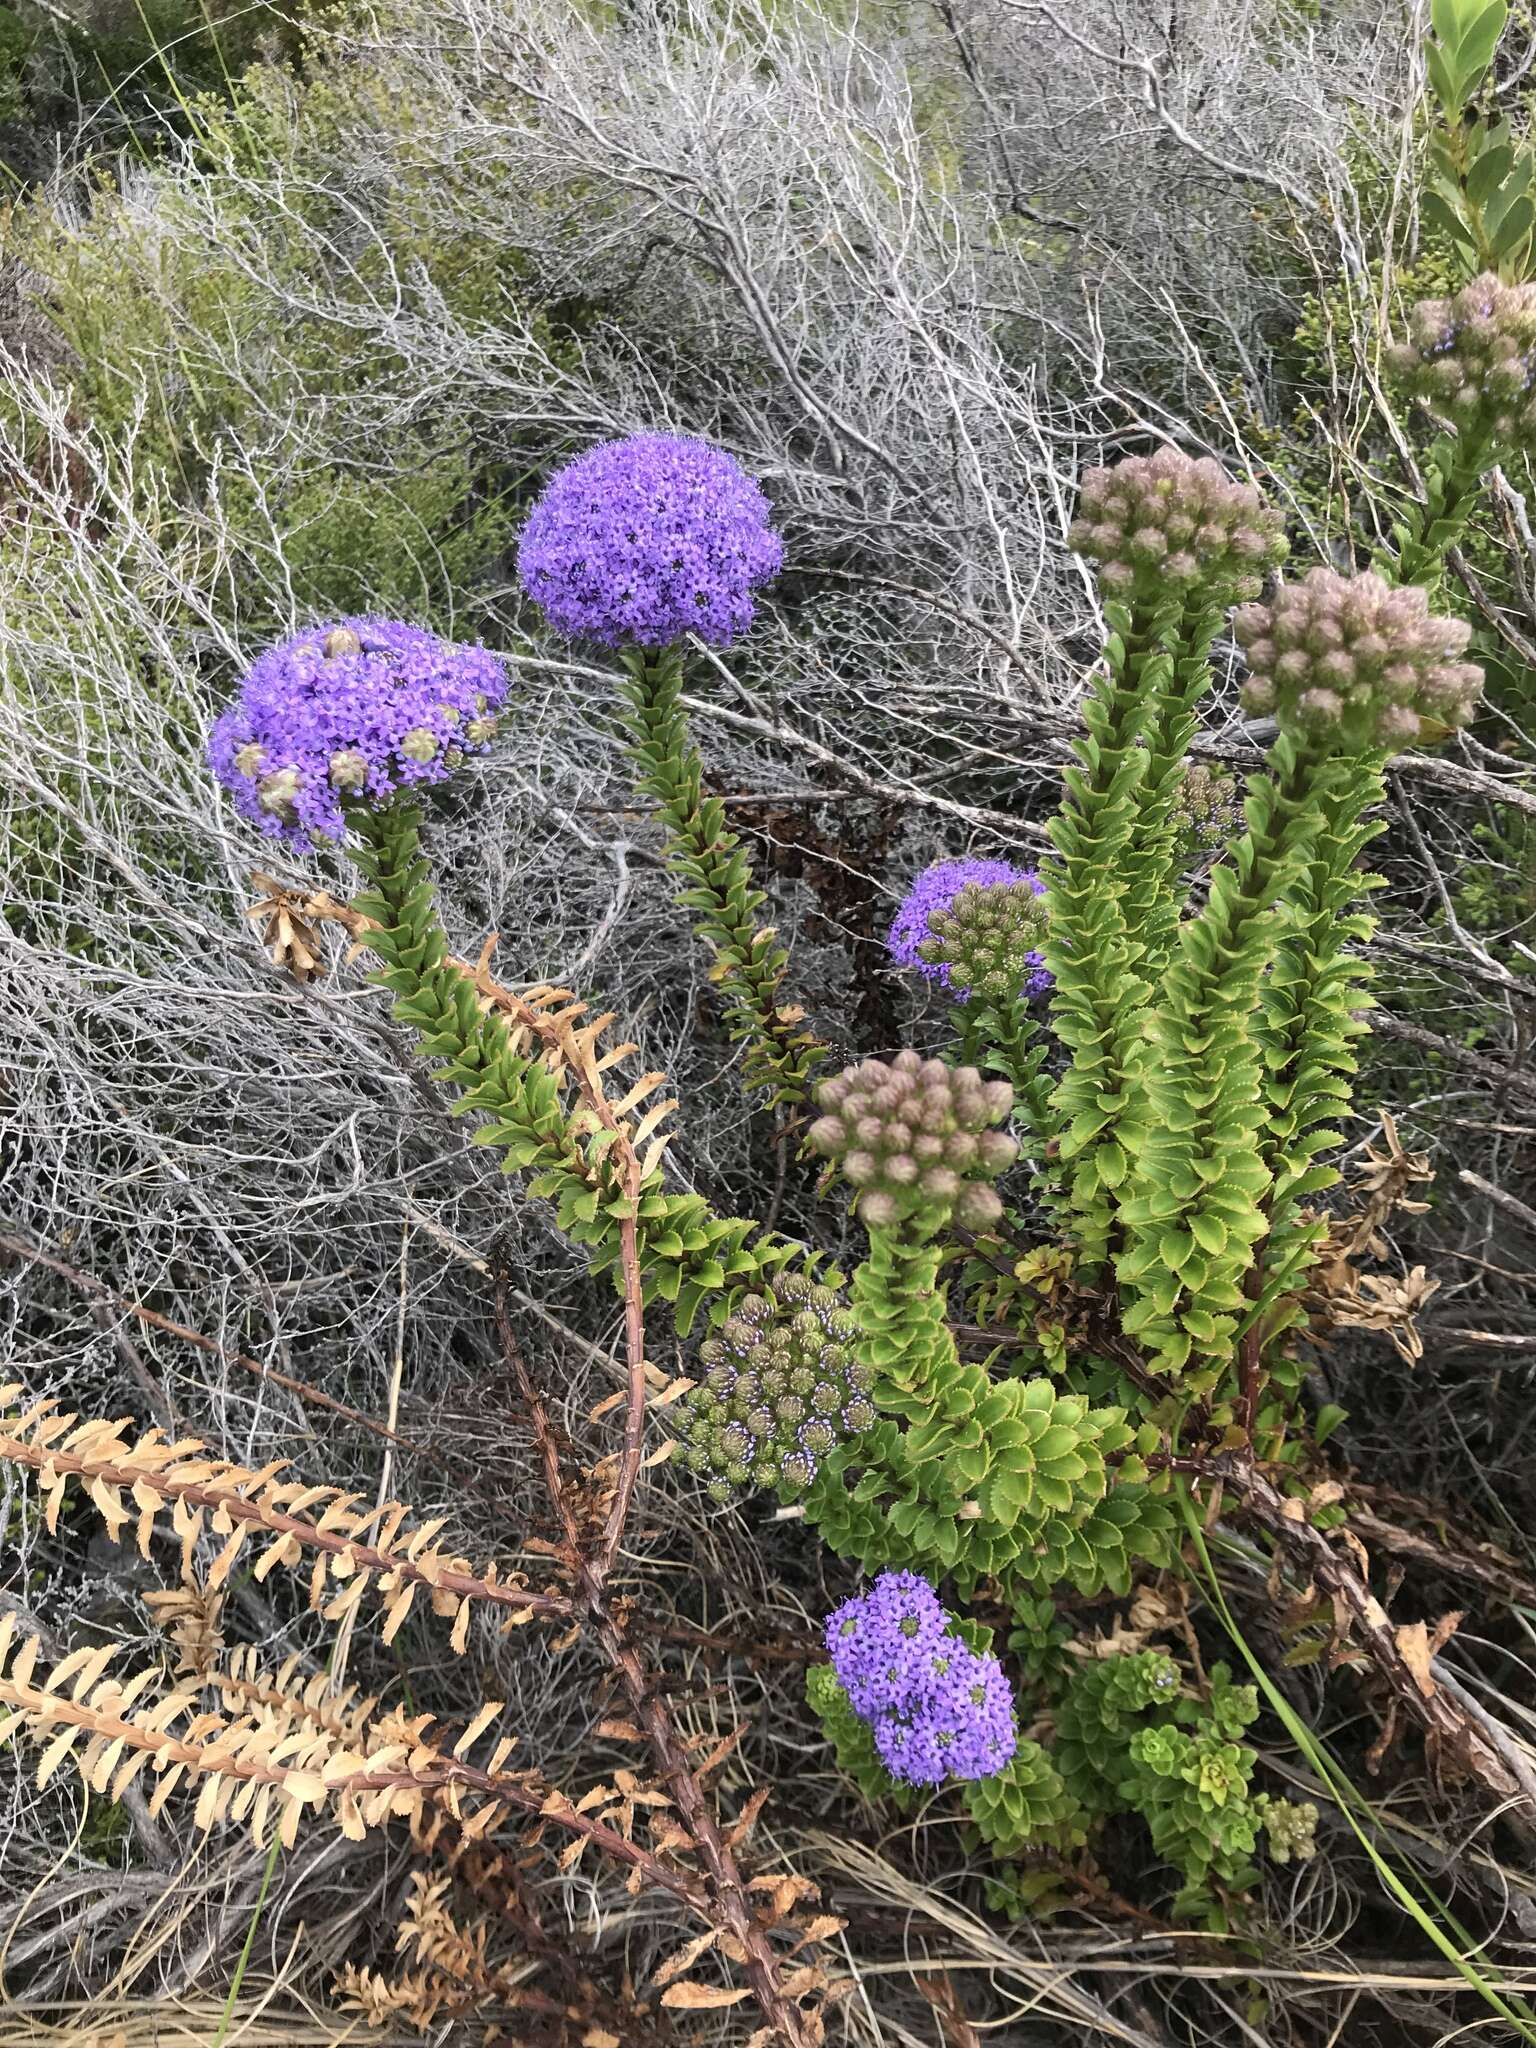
(712, 876)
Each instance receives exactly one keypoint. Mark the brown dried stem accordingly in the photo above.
(731, 1910)
(1339, 1572)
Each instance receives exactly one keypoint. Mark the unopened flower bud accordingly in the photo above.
(1179, 524)
(1472, 358)
(1365, 664)
(279, 793)
(900, 1176)
(349, 770)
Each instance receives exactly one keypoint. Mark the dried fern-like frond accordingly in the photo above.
(190, 1615)
(269, 1764)
(357, 1547)
(448, 1969)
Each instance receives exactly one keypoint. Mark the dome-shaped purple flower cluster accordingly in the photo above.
(1159, 524)
(1472, 360)
(1356, 663)
(938, 1709)
(974, 926)
(351, 713)
(639, 542)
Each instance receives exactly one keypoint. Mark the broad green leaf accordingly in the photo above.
(1489, 173)
(1514, 227)
(1329, 1416)
(1447, 90)
(1479, 40)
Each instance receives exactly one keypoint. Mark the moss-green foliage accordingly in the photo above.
(1129, 1741)
(1026, 1806)
(235, 356)
(852, 1739)
(135, 69)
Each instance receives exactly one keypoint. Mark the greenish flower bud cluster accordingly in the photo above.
(1160, 524)
(1352, 664)
(1206, 809)
(1291, 1829)
(780, 1389)
(913, 1138)
(1472, 361)
(990, 938)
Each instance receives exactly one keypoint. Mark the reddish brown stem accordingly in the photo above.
(634, 1411)
(731, 1908)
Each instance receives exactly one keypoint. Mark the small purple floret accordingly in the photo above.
(641, 541)
(938, 1709)
(936, 889)
(389, 707)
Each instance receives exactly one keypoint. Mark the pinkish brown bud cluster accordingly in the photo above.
(1472, 360)
(1356, 662)
(914, 1138)
(1165, 523)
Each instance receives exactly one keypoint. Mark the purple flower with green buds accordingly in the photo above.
(1355, 664)
(1471, 359)
(975, 927)
(1162, 524)
(348, 714)
(914, 1138)
(642, 541)
(938, 1709)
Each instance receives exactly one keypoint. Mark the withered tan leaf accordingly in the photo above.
(690, 1997)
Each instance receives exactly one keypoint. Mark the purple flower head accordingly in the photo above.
(962, 1726)
(352, 711)
(877, 1640)
(641, 541)
(938, 1709)
(984, 908)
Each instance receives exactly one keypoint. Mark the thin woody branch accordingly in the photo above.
(730, 1907)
